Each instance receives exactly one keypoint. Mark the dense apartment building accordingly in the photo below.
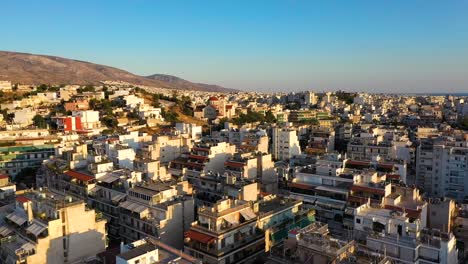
(225, 233)
(46, 227)
(205, 157)
(285, 143)
(16, 158)
(402, 236)
(152, 251)
(442, 168)
(157, 210)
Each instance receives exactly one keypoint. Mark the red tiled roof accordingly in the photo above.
(213, 98)
(22, 199)
(200, 237)
(3, 176)
(79, 176)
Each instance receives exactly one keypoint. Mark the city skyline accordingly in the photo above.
(406, 47)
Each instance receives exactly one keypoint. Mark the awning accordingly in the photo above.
(36, 228)
(200, 237)
(231, 219)
(248, 214)
(5, 231)
(332, 189)
(27, 247)
(17, 218)
(107, 178)
(134, 207)
(118, 197)
(95, 189)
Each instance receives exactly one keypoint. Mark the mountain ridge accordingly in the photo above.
(28, 68)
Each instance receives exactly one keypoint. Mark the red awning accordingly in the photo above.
(200, 237)
(200, 149)
(412, 213)
(198, 157)
(393, 176)
(368, 189)
(358, 163)
(22, 199)
(79, 176)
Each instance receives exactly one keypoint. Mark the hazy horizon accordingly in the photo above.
(397, 47)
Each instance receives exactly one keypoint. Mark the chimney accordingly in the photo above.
(29, 211)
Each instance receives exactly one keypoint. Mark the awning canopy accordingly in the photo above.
(17, 218)
(231, 219)
(5, 231)
(36, 228)
(96, 189)
(107, 178)
(248, 214)
(117, 197)
(200, 237)
(27, 246)
(134, 207)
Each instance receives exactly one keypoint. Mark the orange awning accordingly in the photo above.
(200, 237)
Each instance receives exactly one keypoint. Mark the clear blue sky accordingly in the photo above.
(396, 46)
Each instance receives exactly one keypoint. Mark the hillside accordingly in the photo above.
(28, 68)
(187, 85)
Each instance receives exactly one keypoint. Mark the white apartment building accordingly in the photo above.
(158, 210)
(402, 238)
(310, 98)
(442, 168)
(285, 143)
(194, 131)
(89, 119)
(24, 117)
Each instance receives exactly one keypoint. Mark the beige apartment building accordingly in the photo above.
(45, 227)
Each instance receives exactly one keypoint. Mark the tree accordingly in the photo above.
(110, 121)
(464, 122)
(27, 176)
(39, 121)
(269, 117)
(42, 88)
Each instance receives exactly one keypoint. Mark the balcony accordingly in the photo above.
(240, 240)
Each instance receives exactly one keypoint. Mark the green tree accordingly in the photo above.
(42, 88)
(39, 121)
(464, 122)
(269, 117)
(26, 176)
(110, 121)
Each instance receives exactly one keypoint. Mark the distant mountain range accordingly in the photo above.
(25, 68)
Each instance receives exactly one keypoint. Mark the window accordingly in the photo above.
(358, 220)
